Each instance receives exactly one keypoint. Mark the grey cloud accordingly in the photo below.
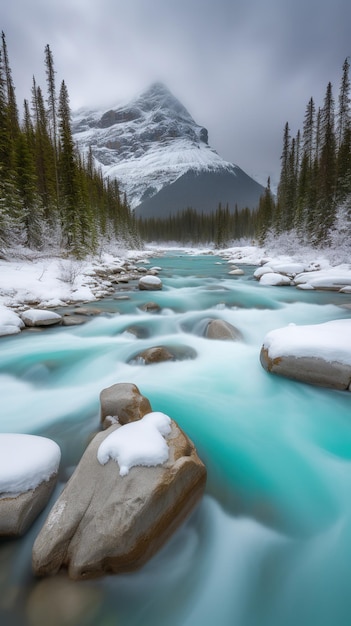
(243, 68)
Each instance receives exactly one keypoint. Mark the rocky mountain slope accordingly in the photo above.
(161, 156)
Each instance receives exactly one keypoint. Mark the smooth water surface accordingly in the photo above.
(270, 544)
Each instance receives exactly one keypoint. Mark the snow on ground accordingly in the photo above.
(26, 461)
(29, 280)
(137, 443)
(330, 341)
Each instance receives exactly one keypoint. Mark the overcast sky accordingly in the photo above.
(243, 68)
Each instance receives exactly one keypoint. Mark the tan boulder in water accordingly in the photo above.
(220, 329)
(122, 402)
(317, 353)
(105, 523)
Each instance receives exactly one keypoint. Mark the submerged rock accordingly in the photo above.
(105, 523)
(220, 329)
(158, 354)
(151, 307)
(62, 602)
(236, 271)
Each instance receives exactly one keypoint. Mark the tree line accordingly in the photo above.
(50, 195)
(313, 197)
(314, 192)
(193, 227)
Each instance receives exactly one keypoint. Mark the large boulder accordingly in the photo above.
(220, 329)
(319, 354)
(28, 472)
(122, 402)
(112, 517)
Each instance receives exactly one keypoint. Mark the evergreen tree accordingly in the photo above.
(327, 168)
(52, 112)
(343, 183)
(71, 227)
(264, 217)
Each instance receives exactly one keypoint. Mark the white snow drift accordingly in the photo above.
(138, 443)
(26, 461)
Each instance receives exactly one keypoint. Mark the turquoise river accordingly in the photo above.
(270, 543)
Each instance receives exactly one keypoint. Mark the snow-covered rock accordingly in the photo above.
(274, 279)
(264, 269)
(10, 322)
(319, 354)
(40, 317)
(150, 283)
(105, 522)
(289, 268)
(332, 279)
(28, 471)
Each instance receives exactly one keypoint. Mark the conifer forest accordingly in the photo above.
(51, 197)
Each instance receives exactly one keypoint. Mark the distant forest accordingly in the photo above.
(313, 200)
(52, 198)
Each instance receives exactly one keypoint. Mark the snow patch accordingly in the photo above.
(137, 443)
(26, 461)
(330, 341)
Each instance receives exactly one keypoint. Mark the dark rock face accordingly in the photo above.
(313, 370)
(105, 523)
(202, 191)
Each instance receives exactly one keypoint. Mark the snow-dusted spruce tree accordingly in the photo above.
(48, 195)
(315, 188)
(327, 169)
(340, 233)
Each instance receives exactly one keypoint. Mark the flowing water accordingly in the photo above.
(270, 544)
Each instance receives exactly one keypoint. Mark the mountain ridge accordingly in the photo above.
(150, 143)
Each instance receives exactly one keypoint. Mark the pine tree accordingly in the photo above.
(44, 157)
(264, 217)
(71, 226)
(343, 184)
(327, 168)
(52, 112)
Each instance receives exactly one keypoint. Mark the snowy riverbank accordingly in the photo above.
(30, 280)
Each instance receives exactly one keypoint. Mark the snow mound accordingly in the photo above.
(26, 461)
(10, 322)
(137, 443)
(330, 341)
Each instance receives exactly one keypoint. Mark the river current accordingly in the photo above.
(270, 543)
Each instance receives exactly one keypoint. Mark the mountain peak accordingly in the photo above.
(147, 144)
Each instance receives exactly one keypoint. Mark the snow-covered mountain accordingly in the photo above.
(161, 156)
